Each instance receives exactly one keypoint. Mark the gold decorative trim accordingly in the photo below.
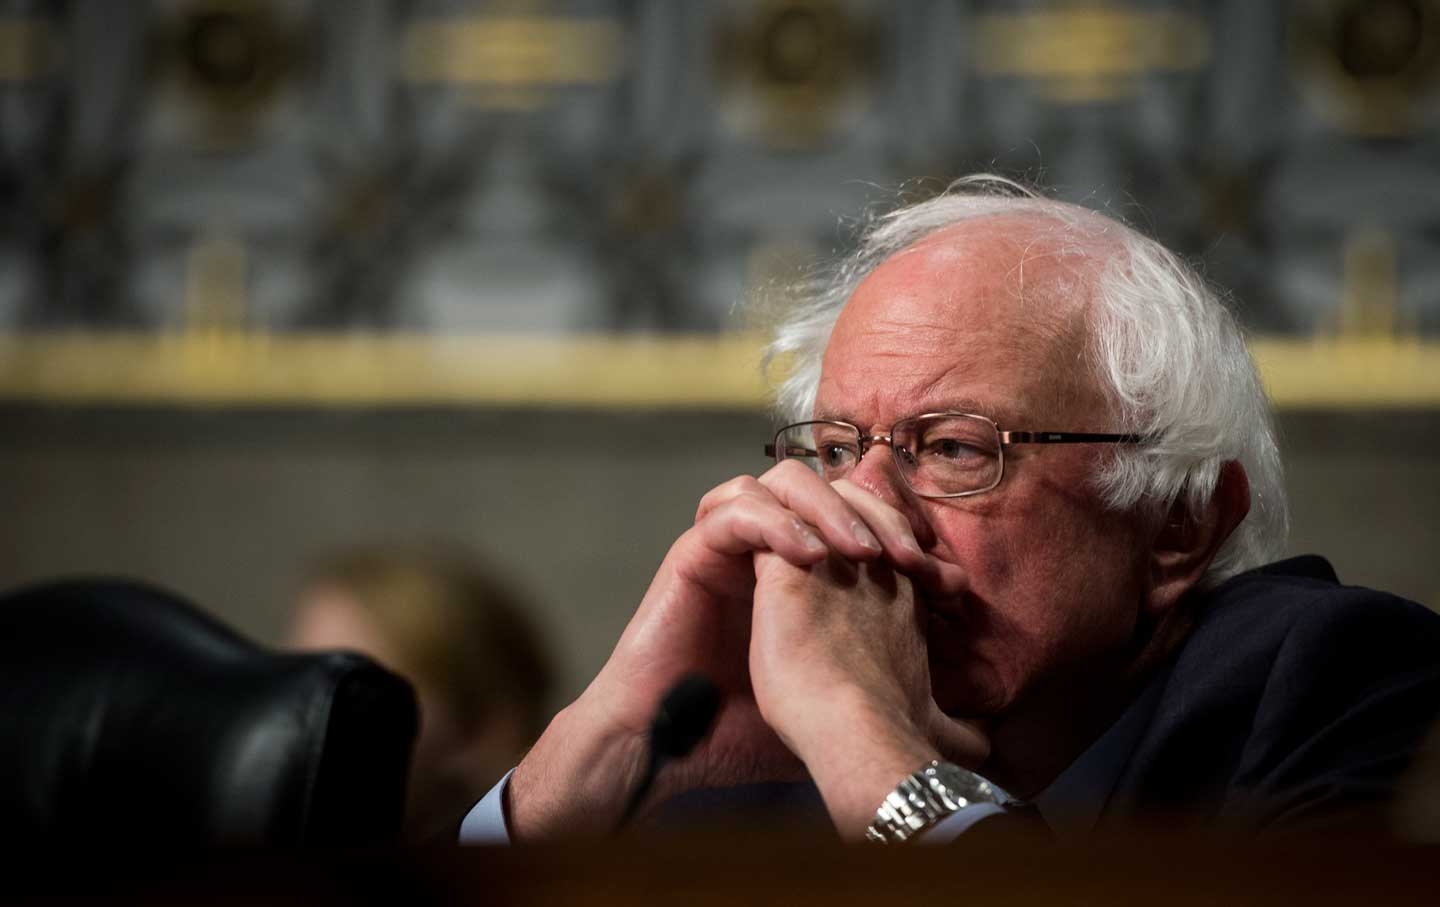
(1089, 52)
(513, 51)
(1349, 373)
(382, 370)
(621, 372)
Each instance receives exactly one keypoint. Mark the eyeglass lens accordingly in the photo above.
(937, 455)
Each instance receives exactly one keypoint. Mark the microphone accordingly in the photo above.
(686, 712)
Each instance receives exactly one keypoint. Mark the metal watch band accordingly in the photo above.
(926, 797)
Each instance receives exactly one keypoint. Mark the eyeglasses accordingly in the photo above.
(939, 455)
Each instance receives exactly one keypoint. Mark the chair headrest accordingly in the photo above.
(127, 715)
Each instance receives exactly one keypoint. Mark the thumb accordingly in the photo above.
(964, 743)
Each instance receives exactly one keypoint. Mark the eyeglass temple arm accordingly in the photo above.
(792, 451)
(1066, 437)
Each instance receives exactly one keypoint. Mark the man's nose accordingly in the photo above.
(878, 473)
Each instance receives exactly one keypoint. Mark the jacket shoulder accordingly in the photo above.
(1294, 695)
(1296, 606)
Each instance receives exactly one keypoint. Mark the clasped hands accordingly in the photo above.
(798, 598)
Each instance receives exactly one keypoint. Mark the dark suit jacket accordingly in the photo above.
(1295, 702)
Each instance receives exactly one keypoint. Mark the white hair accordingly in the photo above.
(1169, 357)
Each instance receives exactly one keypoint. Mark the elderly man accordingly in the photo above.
(1018, 541)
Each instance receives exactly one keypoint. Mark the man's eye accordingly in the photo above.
(953, 449)
(834, 455)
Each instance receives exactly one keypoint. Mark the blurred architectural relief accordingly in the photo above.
(566, 168)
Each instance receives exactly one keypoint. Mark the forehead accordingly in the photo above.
(985, 316)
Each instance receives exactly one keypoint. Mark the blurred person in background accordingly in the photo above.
(466, 643)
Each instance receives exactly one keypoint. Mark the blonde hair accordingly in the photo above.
(454, 626)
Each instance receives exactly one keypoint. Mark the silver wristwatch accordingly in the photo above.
(926, 797)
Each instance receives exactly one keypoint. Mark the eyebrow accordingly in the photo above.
(953, 405)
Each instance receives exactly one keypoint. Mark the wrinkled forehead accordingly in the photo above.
(993, 307)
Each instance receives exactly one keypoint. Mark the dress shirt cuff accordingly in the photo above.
(957, 823)
(485, 823)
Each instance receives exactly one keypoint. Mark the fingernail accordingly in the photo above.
(908, 542)
(865, 537)
(809, 539)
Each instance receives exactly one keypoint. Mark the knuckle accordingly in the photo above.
(725, 491)
(743, 487)
(791, 471)
(739, 485)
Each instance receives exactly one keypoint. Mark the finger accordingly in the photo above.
(758, 522)
(888, 524)
(811, 498)
(726, 492)
(937, 578)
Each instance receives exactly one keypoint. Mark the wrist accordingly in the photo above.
(864, 751)
(575, 779)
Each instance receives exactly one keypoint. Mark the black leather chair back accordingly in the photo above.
(128, 717)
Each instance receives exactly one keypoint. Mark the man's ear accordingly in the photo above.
(1188, 540)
